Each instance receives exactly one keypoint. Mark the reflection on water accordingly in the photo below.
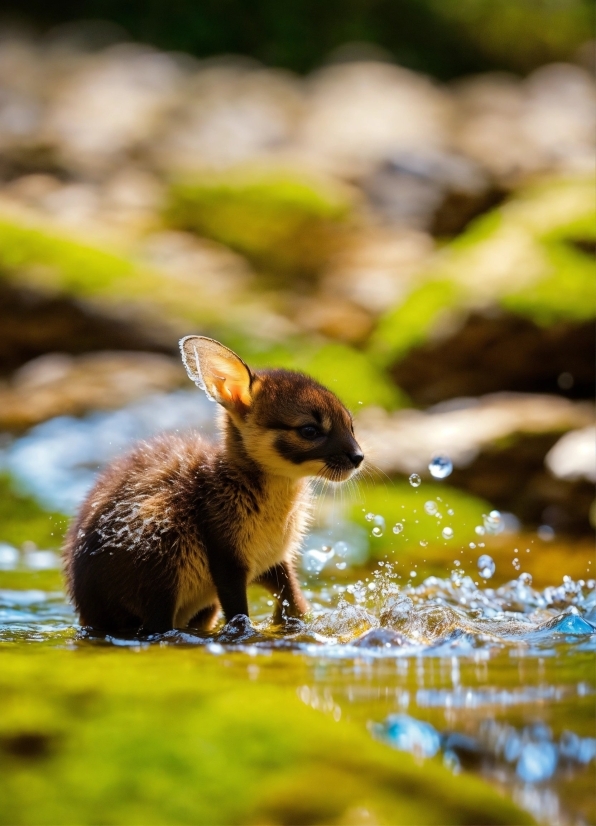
(495, 681)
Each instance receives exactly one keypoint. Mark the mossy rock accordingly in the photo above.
(529, 257)
(160, 736)
(285, 225)
(44, 259)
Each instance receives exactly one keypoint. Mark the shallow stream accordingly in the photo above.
(485, 672)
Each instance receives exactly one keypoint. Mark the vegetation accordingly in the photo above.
(542, 234)
(285, 226)
(164, 736)
(23, 520)
(442, 38)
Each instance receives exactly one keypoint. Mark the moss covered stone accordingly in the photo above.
(163, 736)
(529, 257)
(286, 226)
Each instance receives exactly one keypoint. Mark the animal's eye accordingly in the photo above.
(309, 432)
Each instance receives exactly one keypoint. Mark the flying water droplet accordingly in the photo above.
(447, 533)
(377, 531)
(516, 564)
(479, 530)
(415, 480)
(486, 566)
(440, 467)
(430, 507)
(398, 528)
(423, 543)
(493, 522)
(369, 517)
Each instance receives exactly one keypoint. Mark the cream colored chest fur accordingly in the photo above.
(276, 531)
(263, 540)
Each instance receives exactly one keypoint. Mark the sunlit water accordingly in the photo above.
(494, 680)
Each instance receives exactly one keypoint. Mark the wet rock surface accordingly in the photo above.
(57, 384)
(34, 323)
(500, 351)
(499, 446)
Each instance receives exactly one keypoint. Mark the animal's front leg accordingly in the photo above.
(282, 582)
(230, 579)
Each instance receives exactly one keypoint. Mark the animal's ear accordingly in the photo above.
(218, 371)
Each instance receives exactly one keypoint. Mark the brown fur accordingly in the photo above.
(179, 527)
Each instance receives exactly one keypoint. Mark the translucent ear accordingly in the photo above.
(218, 371)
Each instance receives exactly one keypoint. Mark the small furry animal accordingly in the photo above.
(179, 528)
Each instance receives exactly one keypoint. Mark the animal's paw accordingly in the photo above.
(238, 629)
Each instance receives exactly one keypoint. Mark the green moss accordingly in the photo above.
(49, 261)
(400, 503)
(522, 256)
(164, 736)
(22, 519)
(408, 325)
(567, 294)
(22, 580)
(284, 225)
(351, 374)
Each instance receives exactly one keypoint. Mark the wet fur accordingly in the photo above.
(179, 527)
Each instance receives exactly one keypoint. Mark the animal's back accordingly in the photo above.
(136, 534)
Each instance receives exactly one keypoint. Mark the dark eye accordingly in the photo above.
(309, 432)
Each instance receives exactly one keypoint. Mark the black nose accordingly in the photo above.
(356, 458)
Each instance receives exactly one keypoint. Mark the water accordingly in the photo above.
(498, 681)
(440, 467)
(479, 666)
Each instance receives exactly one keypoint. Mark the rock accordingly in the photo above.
(518, 128)
(229, 114)
(404, 441)
(574, 455)
(377, 266)
(429, 190)
(221, 273)
(333, 317)
(34, 323)
(57, 384)
(109, 105)
(500, 351)
(359, 113)
(498, 446)
(287, 225)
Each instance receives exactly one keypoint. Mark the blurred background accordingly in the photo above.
(395, 197)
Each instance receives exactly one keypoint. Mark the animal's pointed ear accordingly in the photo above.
(218, 371)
